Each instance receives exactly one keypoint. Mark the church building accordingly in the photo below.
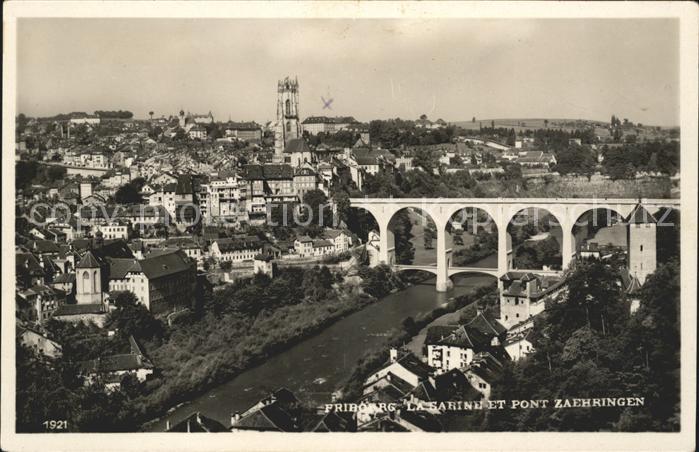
(88, 280)
(288, 126)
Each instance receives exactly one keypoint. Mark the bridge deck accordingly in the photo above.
(419, 201)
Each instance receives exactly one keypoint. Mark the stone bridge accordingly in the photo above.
(566, 211)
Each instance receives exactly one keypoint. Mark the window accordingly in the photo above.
(641, 247)
(288, 110)
(517, 315)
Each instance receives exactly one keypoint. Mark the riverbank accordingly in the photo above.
(351, 390)
(247, 343)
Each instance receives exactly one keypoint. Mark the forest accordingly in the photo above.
(230, 330)
(589, 345)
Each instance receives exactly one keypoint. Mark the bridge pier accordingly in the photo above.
(568, 245)
(502, 246)
(443, 281)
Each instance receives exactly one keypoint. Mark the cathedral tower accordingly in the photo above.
(641, 240)
(288, 124)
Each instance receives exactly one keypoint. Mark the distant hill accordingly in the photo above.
(530, 123)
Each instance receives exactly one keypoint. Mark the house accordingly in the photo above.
(372, 161)
(191, 248)
(222, 199)
(303, 246)
(323, 124)
(112, 230)
(39, 342)
(28, 270)
(278, 412)
(162, 178)
(110, 370)
(451, 348)
(404, 163)
(483, 371)
(536, 158)
(297, 152)
(323, 248)
(405, 366)
(83, 118)
(196, 423)
(523, 295)
(65, 282)
(336, 422)
(144, 215)
(518, 344)
(197, 132)
(164, 281)
(341, 239)
(173, 195)
(39, 303)
(305, 180)
(263, 263)
(236, 250)
(248, 131)
(267, 184)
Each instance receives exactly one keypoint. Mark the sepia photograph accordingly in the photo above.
(351, 219)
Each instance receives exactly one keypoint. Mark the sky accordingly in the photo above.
(452, 69)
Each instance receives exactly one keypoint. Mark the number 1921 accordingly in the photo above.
(55, 424)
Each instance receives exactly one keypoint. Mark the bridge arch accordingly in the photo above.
(398, 268)
(602, 226)
(415, 236)
(472, 235)
(537, 238)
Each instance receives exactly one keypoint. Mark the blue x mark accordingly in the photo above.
(326, 103)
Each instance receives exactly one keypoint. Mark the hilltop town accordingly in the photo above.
(158, 257)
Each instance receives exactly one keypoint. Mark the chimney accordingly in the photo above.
(167, 425)
(235, 418)
(393, 354)
(198, 418)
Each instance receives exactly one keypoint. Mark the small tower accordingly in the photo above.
(181, 119)
(88, 280)
(288, 126)
(641, 241)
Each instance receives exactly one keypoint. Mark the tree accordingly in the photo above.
(124, 299)
(473, 120)
(317, 208)
(127, 194)
(428, 239)
(136, 320)
(150, 113)
(546, 123)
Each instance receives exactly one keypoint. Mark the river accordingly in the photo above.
(314, 368)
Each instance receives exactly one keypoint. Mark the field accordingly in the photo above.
(580, 187)
(524, 124)
(520, 124)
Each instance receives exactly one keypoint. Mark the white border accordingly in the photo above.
(686, 12)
